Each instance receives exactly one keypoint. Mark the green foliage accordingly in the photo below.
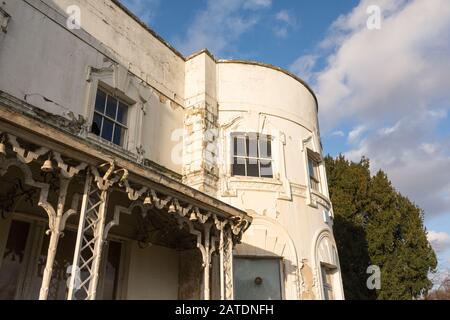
(376, 225)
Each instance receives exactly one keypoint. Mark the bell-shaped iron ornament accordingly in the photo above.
(47, 166)
(193, 217)
(172, 209)
(2, 149)
(148, 200)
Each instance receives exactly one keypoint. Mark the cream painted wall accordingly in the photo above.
(153, 273)
(257, 98)
(133, 45)
(44, 62)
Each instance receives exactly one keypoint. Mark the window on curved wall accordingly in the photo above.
(327, 281)
(252, 155)
(313, 171)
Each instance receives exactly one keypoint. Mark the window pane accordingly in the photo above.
(122, 113)
(118, 135)
(327, 282)
(252, 168)
(111, 275)
(97, 124)
(107, 130)
(265, 147)
(238, 167)
(314, 184)
(111, 107)
(252, 145)
(257, 279)
(13, 259)
(266, 169)
(100, 101)
(312, 171)
(239, 147)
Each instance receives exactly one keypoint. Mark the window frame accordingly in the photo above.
(125, 126)
(247, 136)
(328, 284)
(314, 179)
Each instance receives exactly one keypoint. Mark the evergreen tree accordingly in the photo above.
(348, 186)
(376, 225)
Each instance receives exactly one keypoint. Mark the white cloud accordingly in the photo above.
(220, 24)
(144, 9)
(284, 22)
(371, 74)
(304, 66)
(355, 135)
(393, 82)
(285, 17)
(257, 4)
(415, 159)
(439, 240)
(429, 148)
(338, 133)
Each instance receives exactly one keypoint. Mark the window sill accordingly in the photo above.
(254, 179)
(110, 146)
(319, 198)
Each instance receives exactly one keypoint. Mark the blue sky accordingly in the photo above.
(382, 93)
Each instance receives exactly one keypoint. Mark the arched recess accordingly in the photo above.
(325, 254)
(267, 238)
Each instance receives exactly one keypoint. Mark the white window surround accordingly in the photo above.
(230, 184)
(117, 122)
(328, 275)
(315, 197)
(228, 156)
(119, 83)
(250, 140)
(314, 175)
(325, 255)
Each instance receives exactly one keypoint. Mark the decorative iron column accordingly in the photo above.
(220, 226)
(57, 220)
(206, 252)
(88, 251)
(55, 230)
(228, 265)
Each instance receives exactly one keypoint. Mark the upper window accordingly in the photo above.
(313, 171)
(110, 118)
(252, 155)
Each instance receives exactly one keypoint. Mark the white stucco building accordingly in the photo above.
(150, 175)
